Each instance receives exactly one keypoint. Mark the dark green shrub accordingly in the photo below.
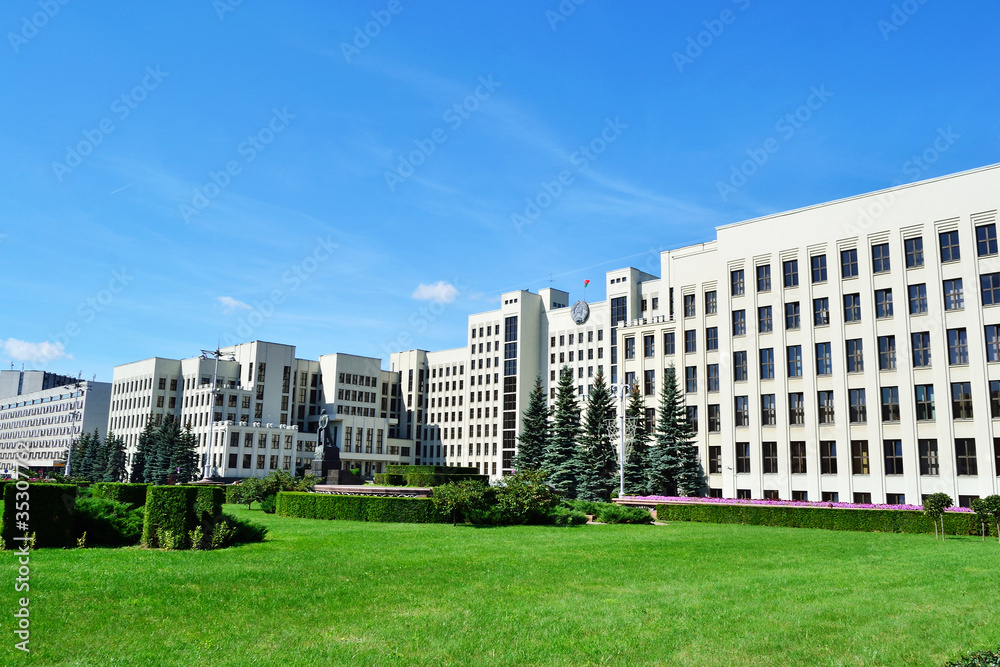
(585, 506)
(268, 504)
(130, 494)
(611, 513)
(108, 522)
(978, 659)
(50, 513)
(238, 531)
(177, 510)
(469, 501)
(357, 508)
(567, 516)
(524, 497)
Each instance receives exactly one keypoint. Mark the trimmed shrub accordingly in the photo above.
(268, 504)
(50, 513)
(978, 659)
(130, 494)
(611, 513)
(177, 510)
(567, 516)
(233, 530)
(232, 493)
(108, 522)
(829, 518)
(357, 508)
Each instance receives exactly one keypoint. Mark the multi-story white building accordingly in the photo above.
(42, 414)
(848, 350)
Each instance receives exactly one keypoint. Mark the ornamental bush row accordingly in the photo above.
(130, 494)
(43, 509)
(178, 510)
(871, 521)
(423, 478)
(357, 508)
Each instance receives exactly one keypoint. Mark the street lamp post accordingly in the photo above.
(72, 427)
(205, 354)
(621, 392)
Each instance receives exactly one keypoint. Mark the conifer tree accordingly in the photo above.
(184, 459)
(158, 465)
(78, 460)
(599, 462)
(94, 459)
(561, 456)
(534, 438)
(671, 430)
(115, 470)
(143, 451)
(637, 460)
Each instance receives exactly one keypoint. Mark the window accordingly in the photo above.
(714, 458)
(828, 457)
(965, 457)
(921, 344)
(630, 347)
(958, 347)
(711, 303)
(883, 303)
(767, 364)
(821, 311)
(818, 265)
(880, 258)
(849, 263)
(887, 353)
(713, 377)
(852, 307)
(996, 455)
(690, 341)
(792, 315)
(768, 414)
(928, 450)
(692, 417)
(668, 343)
(648, 345)
(742, 457)
(764, 320)
(918, 299)
(994, 398)
(893, 457)
(689, 305)
(790, 270)
(992, 342)
(989, 284)
(858, 407)
(859, 459)
(924, 399)
(798, 452)
(712, 338)
(764, 278)
(736, 282)
(949, 247)
(953, 299)
(769, 457)
(740, 366)
(691, 379)
(986, 240)
(715, 419)
(914, 249)
(961, 400)
(656, 303)
(890, 404)
(742, 411)
(825, 400)
(796, 409)
(648, 382)
(794, 361)
(855, 356)
(739, 322)
(824, 359)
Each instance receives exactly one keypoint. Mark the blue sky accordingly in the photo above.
(181, 174)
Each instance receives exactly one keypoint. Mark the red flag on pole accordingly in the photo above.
(586, 282)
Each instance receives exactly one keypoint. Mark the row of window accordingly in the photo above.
(574, 337)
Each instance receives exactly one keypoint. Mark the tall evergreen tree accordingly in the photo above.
(158, 465)
(534, 438)
(184, 460)
(672, 430)
(637, 460)
(78, 464)
(143, 451)
(561, 456)
(115, 470)
(599, 469)
(95, 459)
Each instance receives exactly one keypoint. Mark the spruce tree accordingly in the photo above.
(143, 451)
(158, 465)
(94, 459)
(184, 460)
(534, 437)
(671, 430)
(599, 462)
(78, 461)
(561, 455)
(637, 460)
(115, 470)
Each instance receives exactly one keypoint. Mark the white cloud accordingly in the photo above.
(21, 350)
(231, 305)
(440, 291)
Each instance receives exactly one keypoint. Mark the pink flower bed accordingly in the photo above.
(783, 503)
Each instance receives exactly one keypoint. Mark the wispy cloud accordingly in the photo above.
(440, 291)
(44, 352)
(231, 305)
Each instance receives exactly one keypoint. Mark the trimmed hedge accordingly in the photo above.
(424, 476)
(130, 494)
(358, 508)
(828, 518)
(423, 479)
(180, 509)
(230, 490)
(50, 514)
(443, 470)
(108, 522)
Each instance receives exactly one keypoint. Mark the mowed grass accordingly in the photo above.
(347, 593)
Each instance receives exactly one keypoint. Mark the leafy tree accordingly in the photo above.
(534, 437)
(934, 507)
(184, 456)
(561, 455)
(599, 470)
(978, 506)
(461, 499)
(637, 460)
(991, 506)
(143, 451)
(250, 490)
(523, 497)
(115, 470)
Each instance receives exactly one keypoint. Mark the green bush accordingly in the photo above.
(49, 509)
(978, 659)
(566, 516)
(357, 508)
(869, 521)
(177, 510)
(233, 530)
(268, 504)
(108, 523)
(585, 506)
(130, 494)
(611, 513)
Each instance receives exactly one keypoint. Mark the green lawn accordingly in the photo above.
(346, 593)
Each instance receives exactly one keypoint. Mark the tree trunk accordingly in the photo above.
(935, 530)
